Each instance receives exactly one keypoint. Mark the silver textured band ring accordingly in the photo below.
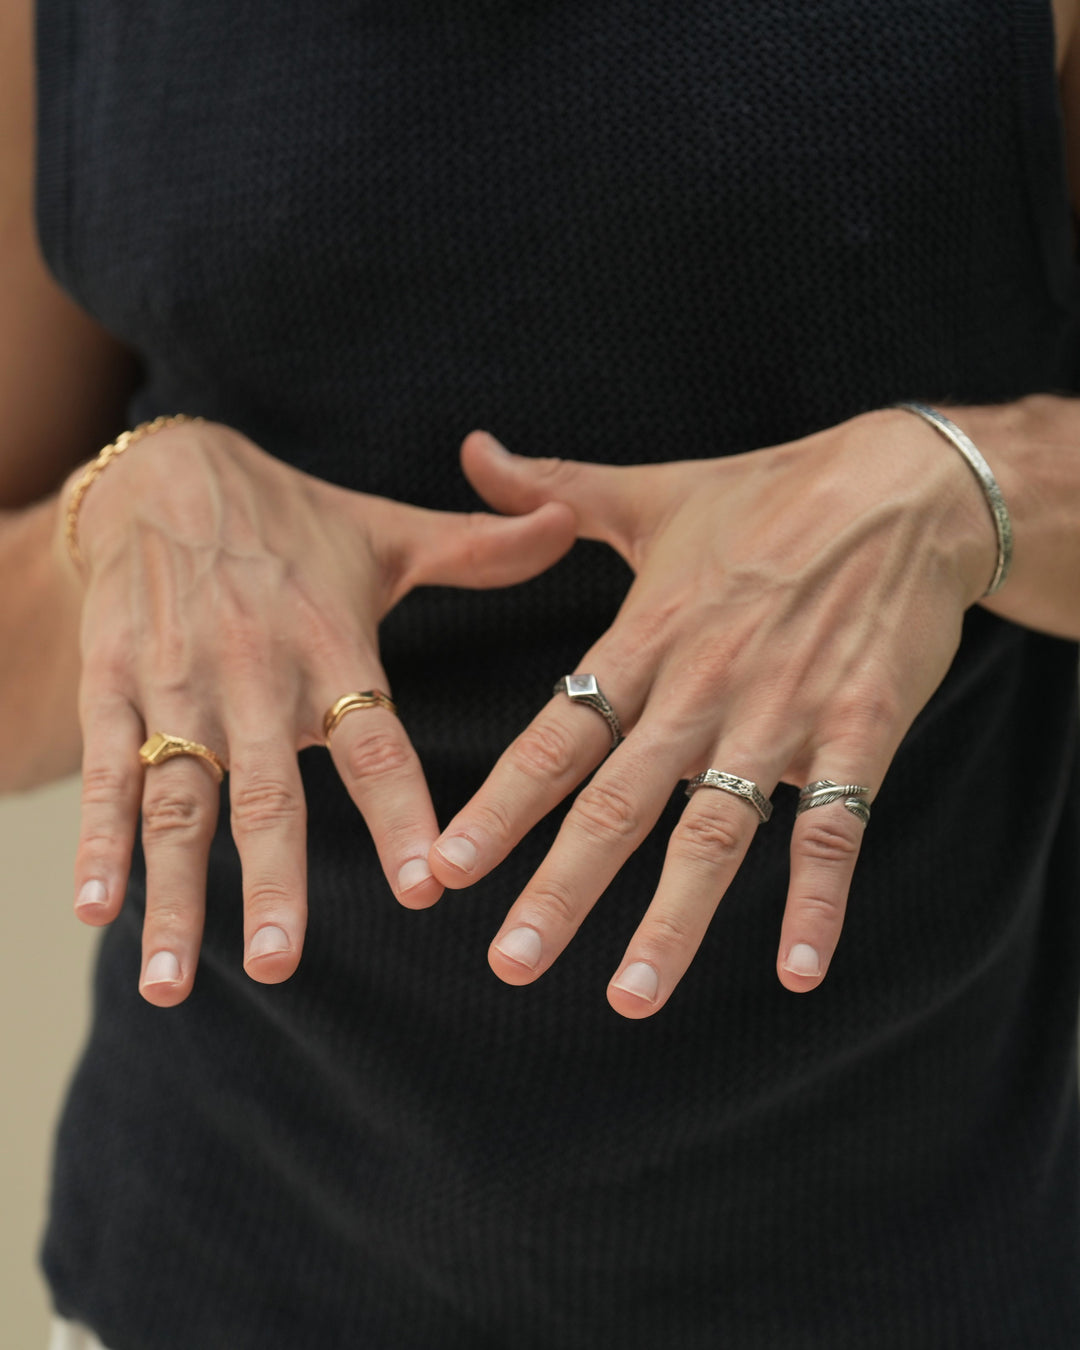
(584, 689)
(824, 791)
(738, 787)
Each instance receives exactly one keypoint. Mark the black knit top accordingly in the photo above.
(620, 230)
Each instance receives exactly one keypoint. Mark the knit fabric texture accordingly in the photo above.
(624, 231)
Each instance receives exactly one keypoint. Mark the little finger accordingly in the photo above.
(705, 851)
(181, 799)
(825, 843)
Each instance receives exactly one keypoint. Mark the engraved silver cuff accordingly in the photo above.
(987, 481)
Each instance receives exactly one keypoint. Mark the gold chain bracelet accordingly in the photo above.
(101, 462)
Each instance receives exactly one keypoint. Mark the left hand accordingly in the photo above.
(793, 609)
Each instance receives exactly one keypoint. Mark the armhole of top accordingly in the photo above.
(54, 81)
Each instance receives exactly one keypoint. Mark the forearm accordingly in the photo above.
(39, 651)
(1033, 448)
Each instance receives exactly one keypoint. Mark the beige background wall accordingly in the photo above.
(45, 956)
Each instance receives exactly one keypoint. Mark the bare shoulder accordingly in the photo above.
(62, 378)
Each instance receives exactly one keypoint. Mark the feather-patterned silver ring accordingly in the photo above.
(824, 791)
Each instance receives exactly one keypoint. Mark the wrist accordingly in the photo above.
(1032, 447)
(968, 451)
(83, 480)
(946, 493)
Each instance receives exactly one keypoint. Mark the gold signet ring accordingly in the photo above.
(161, 747)
(347, 703)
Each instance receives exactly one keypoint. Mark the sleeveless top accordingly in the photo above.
(621, 231)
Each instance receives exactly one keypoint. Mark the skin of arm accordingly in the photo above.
(63, 382)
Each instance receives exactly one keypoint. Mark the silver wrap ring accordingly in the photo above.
(584, 689)
(738, 787)
(824, 791)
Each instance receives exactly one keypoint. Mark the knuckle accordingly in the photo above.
(398, 838)
(606, 810)
(264, 805)
(492, 819)
(554, 906)
(107, 664)
(172, 811)
(105, 785)
(667, 934)
(99, 844)
(831, 842)
(324, 631)
(551, 471)
(543, 750)
(874, 706)
(644, 632)
(168, 917)
(265, 897)
(375, 754)
(249, 653)
(707, 837)
(819, 911)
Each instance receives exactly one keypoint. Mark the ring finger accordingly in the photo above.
(383, 775)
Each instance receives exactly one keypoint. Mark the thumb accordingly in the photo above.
(604, 498)
(476, 550)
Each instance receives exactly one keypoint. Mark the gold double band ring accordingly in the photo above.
(367, 698)
(161, 746)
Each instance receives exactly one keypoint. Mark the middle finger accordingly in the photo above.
(705, 851)
(180, 807)
(608, 820)
(268, 816)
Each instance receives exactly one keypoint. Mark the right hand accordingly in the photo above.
(231, 599)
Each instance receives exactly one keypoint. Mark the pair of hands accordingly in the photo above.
(792, 610)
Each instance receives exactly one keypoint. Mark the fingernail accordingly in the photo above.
(268, 941)
(412, 874)
(639, 978)
(522, 945)
(803, 960)
(92, 896)
(497, 444)
(459, 852)
(162, 968)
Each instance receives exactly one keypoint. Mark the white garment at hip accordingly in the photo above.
(71, 1336)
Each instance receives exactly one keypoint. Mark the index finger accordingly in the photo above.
(555, 752)
(383, 776)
